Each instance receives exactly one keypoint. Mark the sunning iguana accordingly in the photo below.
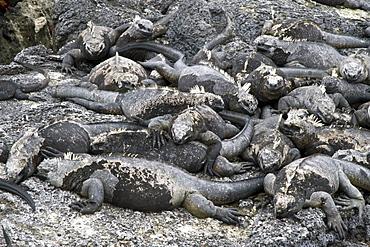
(315, 100)
(293, 29)
(199, 123)
(144, 102)
(94, 43)
(311, 182)
(10, 89)
(119, 137)
(355, 68)
(307, 54)
(311, 136)
(145, 185)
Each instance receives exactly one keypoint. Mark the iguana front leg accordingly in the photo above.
(69, 60)
(325, 201)
(214, 145)
(92, 188)
(201, 207)
(160, 127)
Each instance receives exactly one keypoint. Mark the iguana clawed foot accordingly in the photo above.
(228, 215)
(85, 207)
(349, 203)
(336, 223)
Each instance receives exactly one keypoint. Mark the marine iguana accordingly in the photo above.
(307, 54)
(198, 123)
(293, 29)
(353, 4)
(270, 149)
(118, 137)
(145, 185)
(145, 102)
(269, 83)
(10, 89)
(118, 74)
(311, 182)
(315, 100)
(354, 93)
(311, 136)
(361, 116)
(185, 77)
(94, 43)
(355, 68)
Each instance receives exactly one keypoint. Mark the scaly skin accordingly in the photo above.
(305, 54)
(118, 74)
(145, 185)
(315, 100)
(310, 182)
(142, 103)
(9, 89)
(353, 4)
(312, 137)
(309, 30)
(355, 68)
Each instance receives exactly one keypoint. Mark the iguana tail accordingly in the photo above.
(344, 41)
(37, 86)
(17, 190)
(236, 145)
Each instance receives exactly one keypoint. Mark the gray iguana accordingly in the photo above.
(9, 89)
(199, 123)
(311, 136)
(118, 74)
(95, 42)
(144, 102)
(355, 68)
(315, 100)
(293, 29)
(311, 182)
(145, 185)
(307, 54)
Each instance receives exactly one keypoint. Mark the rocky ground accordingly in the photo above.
(55, 224)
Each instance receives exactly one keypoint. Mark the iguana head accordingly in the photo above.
(287, 205)
(321, 105)
(299, 125)
(94, 42)
(142, 28)
(272, 47)
(246, 101)
(353, 70)
(186, 126)
(269, 159)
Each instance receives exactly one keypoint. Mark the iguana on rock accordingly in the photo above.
(355, 68)
(311, 182)
(199, 123)
(270, 149)
(10, 90)
(305, 54)
(145, 102)
(94, 43)
(118, 74)
(185, 77)
(354, 93)
(315, 100)
(293, 29)
(117, 137)
(145, 185)
(311, 136)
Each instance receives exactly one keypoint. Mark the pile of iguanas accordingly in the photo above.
(294, 103)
